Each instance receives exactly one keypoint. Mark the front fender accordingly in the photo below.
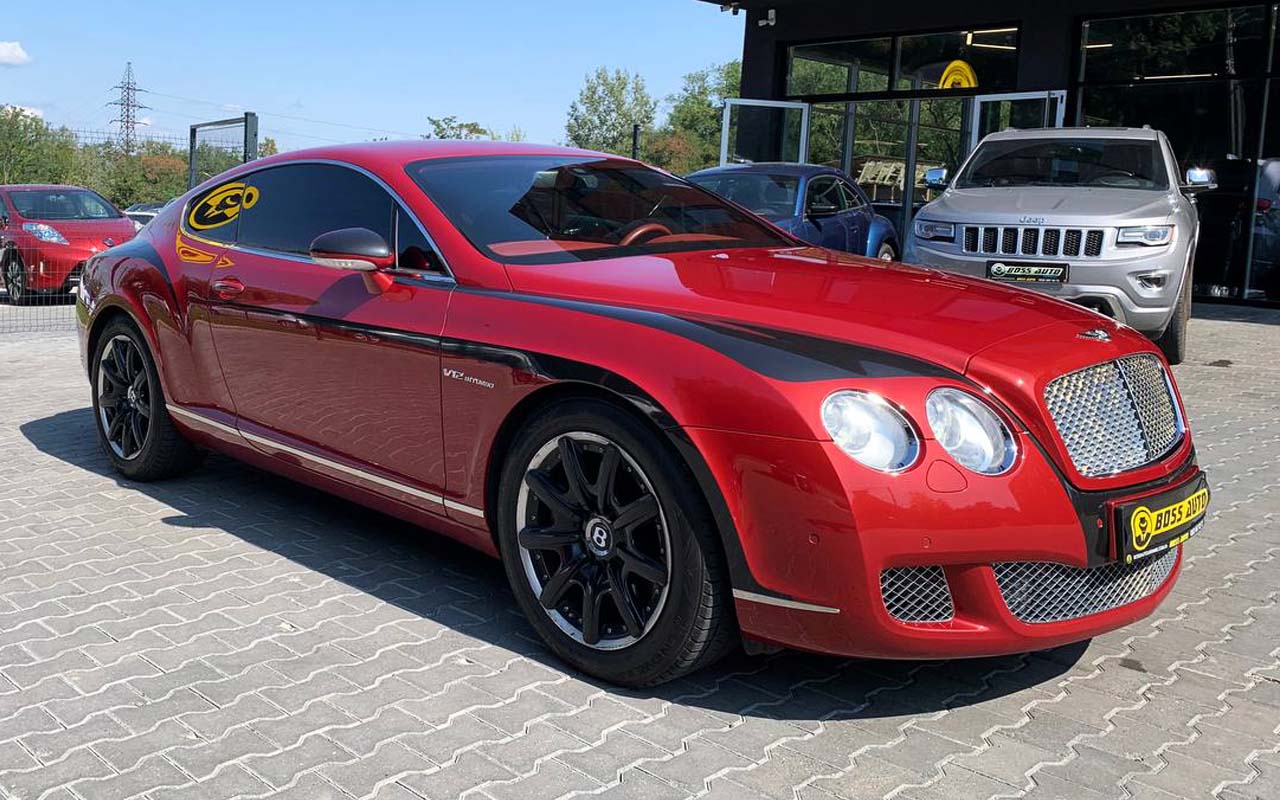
(881, 230)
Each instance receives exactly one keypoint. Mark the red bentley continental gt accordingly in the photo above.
(675, 424)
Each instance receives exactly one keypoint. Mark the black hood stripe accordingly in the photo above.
(773, 352)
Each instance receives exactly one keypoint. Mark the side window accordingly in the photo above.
(853, 198)
(413, 251)
(287, 207)
(824, 197)
(214, 214)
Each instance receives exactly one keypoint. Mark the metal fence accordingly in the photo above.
(46, 236)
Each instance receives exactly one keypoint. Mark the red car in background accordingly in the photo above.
(673, 422)
(47, 233)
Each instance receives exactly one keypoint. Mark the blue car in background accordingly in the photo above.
(818, 204)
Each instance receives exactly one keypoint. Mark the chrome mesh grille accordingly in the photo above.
(1114, 416)
(1033, 241)
(917, 594)
(1042, 591)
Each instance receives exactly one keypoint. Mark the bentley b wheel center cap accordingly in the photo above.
(599, 538)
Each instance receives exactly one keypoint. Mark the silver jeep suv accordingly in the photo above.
(1098, 216)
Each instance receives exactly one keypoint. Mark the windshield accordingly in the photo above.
(766, 195)
(1097, 163)
(62, 204)
(550, 209)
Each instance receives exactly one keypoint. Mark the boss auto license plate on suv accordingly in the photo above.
(1027, 272)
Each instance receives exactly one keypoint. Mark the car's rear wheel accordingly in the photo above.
(886, 252)
(1173, 342)
(133, 425)
(610, 550)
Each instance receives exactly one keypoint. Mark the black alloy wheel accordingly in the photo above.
(124, 397)
(593, 540)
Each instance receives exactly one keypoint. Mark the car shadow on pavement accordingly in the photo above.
(408, 567)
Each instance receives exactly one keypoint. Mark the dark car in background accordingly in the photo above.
(818, 204)
(47, 232)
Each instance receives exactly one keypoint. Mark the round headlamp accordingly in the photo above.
(972, 433)
(870, 430)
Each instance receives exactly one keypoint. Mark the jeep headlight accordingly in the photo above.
(870, 430)
(939, 231)
(1148, 235)
(970, 431)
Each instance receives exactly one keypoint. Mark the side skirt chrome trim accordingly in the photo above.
(740, 594)
(325, 462)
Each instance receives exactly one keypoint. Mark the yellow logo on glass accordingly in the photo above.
(1146, 524)
(958, 75)
(221, 206)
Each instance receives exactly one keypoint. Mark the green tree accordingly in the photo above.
(23, 140)
(267, 147)
(689, 138)
(607, 108)
(450, 128)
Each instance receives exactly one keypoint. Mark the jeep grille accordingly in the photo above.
(1033, 241)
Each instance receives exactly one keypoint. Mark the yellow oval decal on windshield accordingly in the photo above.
(221, 205)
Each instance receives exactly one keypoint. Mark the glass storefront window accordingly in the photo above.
(1264, 266)
(840, 67)
(929, 61)
(940, 141)
(1221, 42)
(1212, 124)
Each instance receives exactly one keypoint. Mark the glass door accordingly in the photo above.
(764, 130)
(995, 112)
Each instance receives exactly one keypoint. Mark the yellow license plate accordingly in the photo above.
(1154, 524)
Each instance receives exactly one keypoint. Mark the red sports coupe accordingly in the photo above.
(675, 424)
(48, 232)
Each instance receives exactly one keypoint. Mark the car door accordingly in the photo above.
(331, 367)
(856, 218)
(823, 204)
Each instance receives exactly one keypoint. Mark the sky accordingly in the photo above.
(378, 68)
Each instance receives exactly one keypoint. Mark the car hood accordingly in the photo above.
(93, 232)
(1057, 206)
(921, 313)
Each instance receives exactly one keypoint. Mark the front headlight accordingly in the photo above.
(870, 430)
(43, 232)
(970, 431)
(1149, 235)
(941, 231)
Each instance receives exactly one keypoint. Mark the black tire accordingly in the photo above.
(681, 628)
(1173, 342)
(15, 281)
(163, 452)
(887, 252)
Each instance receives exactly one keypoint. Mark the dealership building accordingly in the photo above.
(887, 90)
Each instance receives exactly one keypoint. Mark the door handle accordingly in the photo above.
(226, 288)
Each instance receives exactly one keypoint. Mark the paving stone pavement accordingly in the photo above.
(232, 634)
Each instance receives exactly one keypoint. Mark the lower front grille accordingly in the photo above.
(1042, 591)
(917, 594)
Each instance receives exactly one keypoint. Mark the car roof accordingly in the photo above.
(396, 154)
(771, 168)
(40, 186)
(1075, 133)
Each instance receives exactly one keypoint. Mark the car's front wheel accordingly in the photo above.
(1173, 342)
(610, 550)
(15, 280)
(133, 425)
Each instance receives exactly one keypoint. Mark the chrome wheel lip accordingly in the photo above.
(100, 386)
(530, 571)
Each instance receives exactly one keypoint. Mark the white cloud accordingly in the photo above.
(146, 121)
(12, 54)
(31, 111)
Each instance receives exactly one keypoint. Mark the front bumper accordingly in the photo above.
(1109, 285)
(823, 537)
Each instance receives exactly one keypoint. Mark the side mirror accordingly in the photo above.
(821, 210)
(357, 249)
(4, 220)
(935, 178)
(1200, 179)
